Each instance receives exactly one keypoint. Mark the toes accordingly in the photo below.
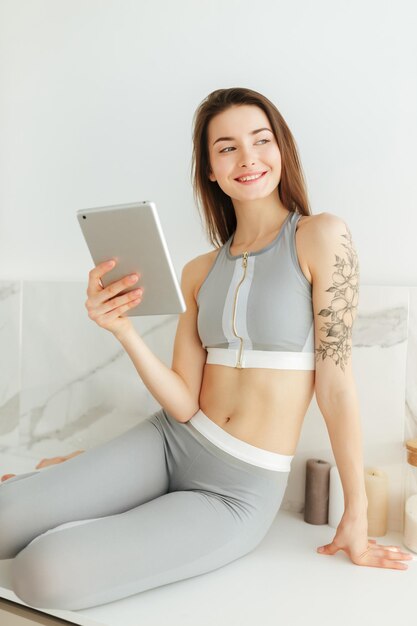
(6, 476)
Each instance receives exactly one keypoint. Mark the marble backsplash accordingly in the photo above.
(66, 384)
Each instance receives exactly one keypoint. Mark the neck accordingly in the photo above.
(257, 220)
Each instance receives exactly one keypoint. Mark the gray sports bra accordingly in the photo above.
(255, 309)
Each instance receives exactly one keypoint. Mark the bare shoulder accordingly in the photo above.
(198, 268)
(314, 230)
(319, 224)
(314, 233)
(325, 236)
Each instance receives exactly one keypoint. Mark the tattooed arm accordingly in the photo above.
(334, 268)
(333, 265)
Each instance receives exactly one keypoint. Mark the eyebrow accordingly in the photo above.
(253, 132)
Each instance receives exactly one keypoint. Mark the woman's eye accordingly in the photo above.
(230, 147)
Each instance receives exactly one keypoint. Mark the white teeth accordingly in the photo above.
(245, 178)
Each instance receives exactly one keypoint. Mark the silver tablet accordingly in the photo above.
(132, 235)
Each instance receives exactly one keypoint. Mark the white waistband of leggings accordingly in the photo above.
(262, 358)
(238, 448)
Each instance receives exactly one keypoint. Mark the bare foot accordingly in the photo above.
(57, 459)
(47, 462)
(6, 477)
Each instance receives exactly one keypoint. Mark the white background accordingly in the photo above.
(97, 99)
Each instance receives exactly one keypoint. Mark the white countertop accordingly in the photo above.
(283, 581)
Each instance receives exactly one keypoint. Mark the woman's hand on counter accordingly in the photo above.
(352, 537)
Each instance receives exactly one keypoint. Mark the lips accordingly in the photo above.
(254, 180)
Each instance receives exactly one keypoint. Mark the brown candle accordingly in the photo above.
(316, 503)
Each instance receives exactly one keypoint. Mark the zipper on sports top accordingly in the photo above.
(244, 265)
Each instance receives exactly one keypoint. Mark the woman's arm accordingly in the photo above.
(335, 277)
(177, 389)
(166, 386)
(335, 270)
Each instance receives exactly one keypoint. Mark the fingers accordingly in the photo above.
(94, 282)
(390, 552)
(102, 300)
(112, 290)
(111, 312)
(375, 561)
(116, 302)
(378, 555)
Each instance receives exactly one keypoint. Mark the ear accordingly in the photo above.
(212, 177)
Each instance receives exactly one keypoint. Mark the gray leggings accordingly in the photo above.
(157, 504)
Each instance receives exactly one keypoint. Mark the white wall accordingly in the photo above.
(97, 98)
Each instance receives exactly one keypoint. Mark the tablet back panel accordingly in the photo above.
(132, 234)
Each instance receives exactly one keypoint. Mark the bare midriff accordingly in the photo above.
(263, 407)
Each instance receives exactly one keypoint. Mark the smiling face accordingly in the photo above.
(235, 150)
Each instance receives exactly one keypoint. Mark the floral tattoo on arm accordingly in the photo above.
(341, 311)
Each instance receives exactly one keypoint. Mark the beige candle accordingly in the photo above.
(336, 498)
(376, 486)
(410, 523)
(410, 509)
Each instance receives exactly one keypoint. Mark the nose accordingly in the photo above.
(247, 160)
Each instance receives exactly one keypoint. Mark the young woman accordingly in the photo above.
(269, 322)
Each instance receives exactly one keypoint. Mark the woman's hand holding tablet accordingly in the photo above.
(104, 306)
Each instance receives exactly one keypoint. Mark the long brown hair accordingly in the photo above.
(217, 207)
